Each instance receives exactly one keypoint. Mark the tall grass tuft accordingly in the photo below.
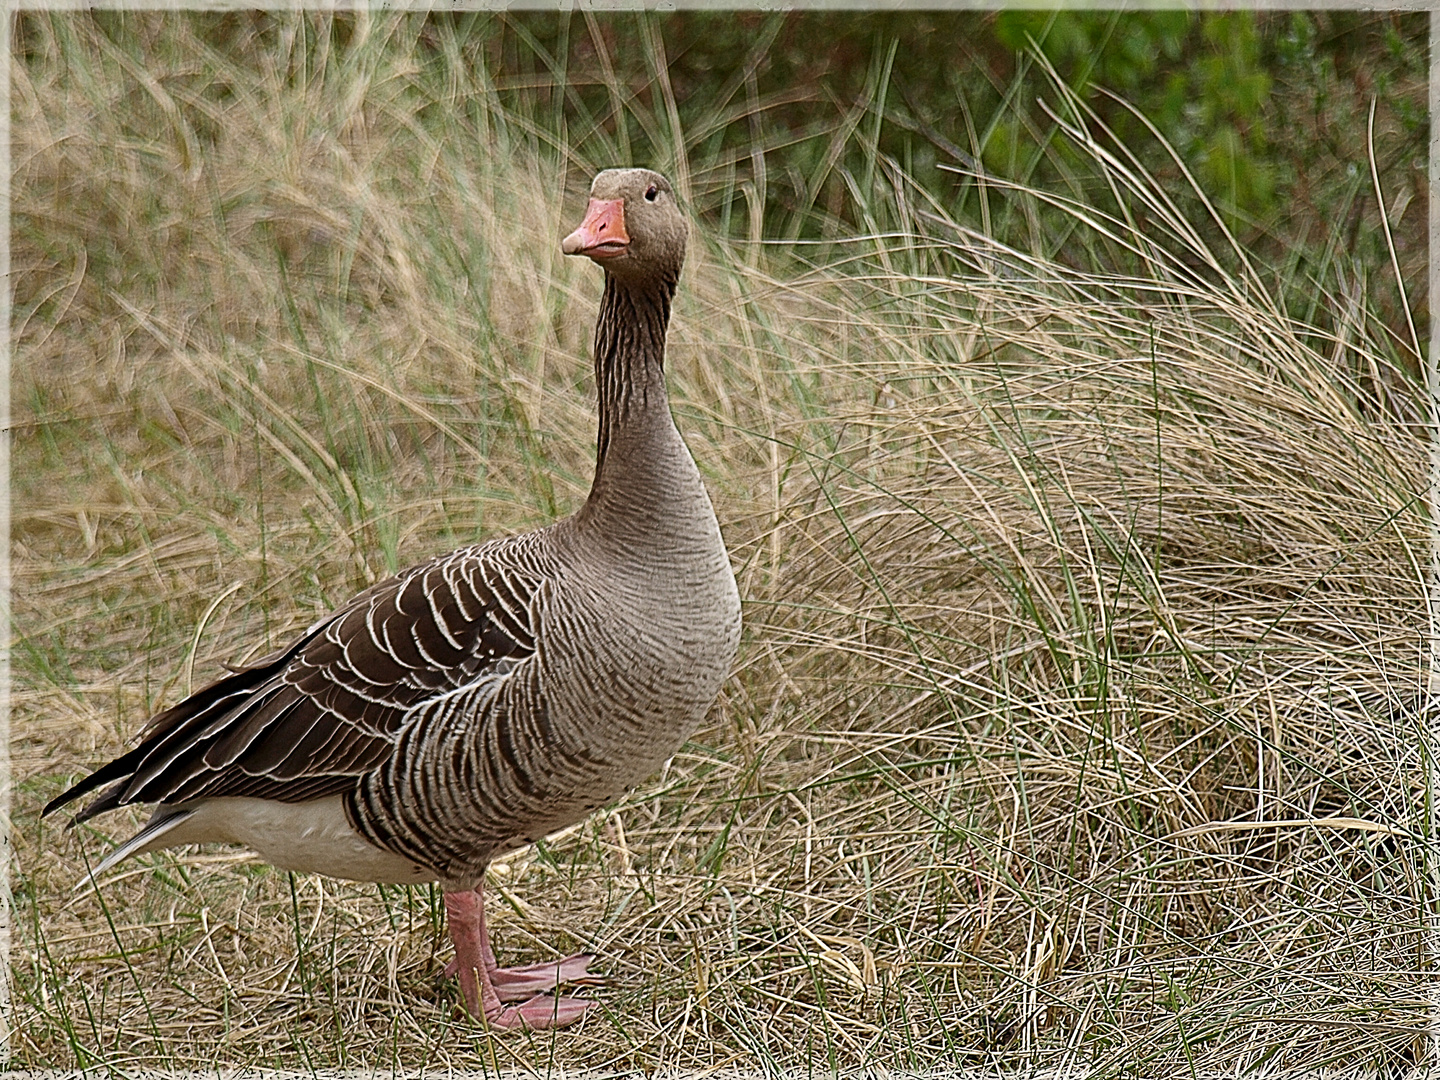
(1078, 716)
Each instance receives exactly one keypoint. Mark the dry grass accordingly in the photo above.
(1077, 712)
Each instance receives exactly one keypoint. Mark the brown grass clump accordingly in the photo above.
(1077, 717)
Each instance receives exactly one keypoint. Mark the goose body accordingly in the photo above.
(480, 700)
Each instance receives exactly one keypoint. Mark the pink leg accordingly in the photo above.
(487, 986)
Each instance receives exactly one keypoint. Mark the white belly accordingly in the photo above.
(313, 837)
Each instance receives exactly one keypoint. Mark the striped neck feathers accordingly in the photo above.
(630, 360)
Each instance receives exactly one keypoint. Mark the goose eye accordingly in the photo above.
(651, 192)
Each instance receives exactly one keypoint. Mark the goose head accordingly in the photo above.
(633, 226)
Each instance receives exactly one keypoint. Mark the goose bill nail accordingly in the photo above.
(602, 234)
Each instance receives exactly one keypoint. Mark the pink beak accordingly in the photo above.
(602, 234)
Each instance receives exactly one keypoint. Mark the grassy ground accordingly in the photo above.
(1077, 709)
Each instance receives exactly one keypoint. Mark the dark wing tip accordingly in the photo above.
(121, 767)
(59, 801)
(163, 723)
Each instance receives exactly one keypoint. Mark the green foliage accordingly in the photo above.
(1119, 51)
(1200, 78)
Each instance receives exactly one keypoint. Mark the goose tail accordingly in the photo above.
(163, 821)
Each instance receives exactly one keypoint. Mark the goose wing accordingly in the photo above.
(310, 719)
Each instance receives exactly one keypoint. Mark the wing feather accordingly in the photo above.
(312, 718)
(270, 710)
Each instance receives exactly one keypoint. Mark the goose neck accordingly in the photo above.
(630, 361)
(644, 475)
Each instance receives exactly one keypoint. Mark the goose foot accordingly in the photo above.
(541, 1011)
(523, 983)
(487, 987)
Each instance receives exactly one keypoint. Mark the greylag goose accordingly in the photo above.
(476, 702)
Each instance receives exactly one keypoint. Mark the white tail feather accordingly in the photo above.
(156, 827)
